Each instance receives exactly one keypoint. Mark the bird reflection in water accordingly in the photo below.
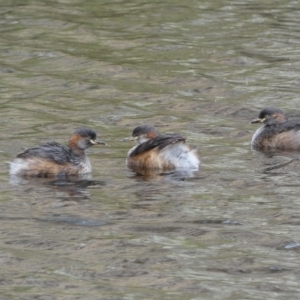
(66, 189)
(158, 175)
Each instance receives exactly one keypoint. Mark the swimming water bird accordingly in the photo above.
(54, 159)
(277, 132)
(160, 151)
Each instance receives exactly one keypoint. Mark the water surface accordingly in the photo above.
(201, 69)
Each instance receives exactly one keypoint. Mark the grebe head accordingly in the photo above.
(270, 116)
(144, 133)
(84, 138)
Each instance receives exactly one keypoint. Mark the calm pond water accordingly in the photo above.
(203, 69)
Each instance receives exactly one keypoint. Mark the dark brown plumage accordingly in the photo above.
(160, 151)
(277, 131)
(54, 159)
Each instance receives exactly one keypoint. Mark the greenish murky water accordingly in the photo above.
(203, 69)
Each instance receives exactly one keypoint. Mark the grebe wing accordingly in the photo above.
(160, 142)
(51, 151)
(293, 124)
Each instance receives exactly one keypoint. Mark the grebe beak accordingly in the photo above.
(131, 138)
(97, 142)
(257, 120)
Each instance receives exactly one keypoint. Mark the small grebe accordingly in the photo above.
(54, 159)
(277, 132)
(163, 152)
